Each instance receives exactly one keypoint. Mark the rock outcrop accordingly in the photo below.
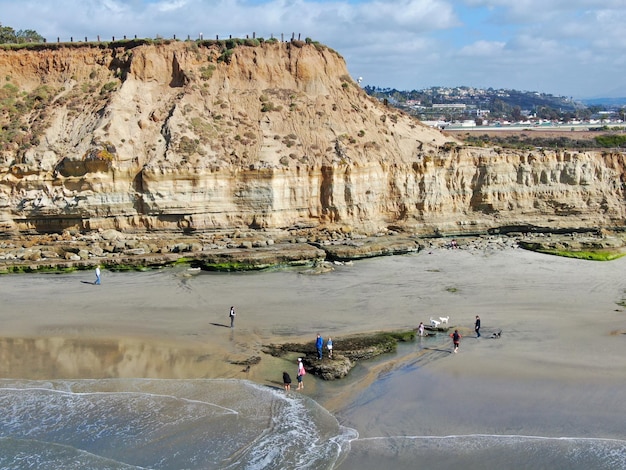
(201, 136)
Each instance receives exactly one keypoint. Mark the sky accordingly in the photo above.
(572, 48)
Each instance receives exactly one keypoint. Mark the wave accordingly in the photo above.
(164, 424)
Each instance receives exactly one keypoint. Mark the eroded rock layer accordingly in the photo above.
(214, 135)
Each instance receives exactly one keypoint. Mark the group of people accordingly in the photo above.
(319, 346)
(456, 336)
(301, 372)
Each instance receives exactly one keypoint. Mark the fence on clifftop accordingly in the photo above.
(174, 37)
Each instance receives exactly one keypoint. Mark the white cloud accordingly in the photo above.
(405, 44)
(167, 7)
(482, 49)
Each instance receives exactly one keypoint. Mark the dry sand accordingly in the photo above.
(561, 321)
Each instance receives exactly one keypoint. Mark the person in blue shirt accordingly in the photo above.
(319, 344)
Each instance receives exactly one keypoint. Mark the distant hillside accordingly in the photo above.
(493, 100)
(608, 102)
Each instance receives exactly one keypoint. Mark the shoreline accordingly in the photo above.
(163, 323)
(557, 370)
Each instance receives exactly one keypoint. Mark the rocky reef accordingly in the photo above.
(347, 351)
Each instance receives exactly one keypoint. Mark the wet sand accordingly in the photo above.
(563, 337)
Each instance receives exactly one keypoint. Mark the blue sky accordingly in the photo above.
(565, 47)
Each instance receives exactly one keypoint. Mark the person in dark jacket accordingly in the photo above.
(286, 381)
(456, 339)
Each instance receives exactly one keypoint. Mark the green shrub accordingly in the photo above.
(207, 72)
(108, 87)
(226, 56)
(611, 140)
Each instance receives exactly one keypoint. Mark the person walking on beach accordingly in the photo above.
(477, 326)
(329, 345)
(97, 275)
(456, 339)
(319, 343)
(420, 329)
(300, 374)
(232, 317)
(286, 381)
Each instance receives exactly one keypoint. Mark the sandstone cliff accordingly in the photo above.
(208, 136)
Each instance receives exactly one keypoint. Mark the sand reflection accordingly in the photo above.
(65, 358)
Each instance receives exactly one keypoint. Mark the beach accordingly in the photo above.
(552, 381)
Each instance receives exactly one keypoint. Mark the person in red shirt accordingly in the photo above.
(456, 339)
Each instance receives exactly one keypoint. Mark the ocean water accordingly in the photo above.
(234, 424)
(417, 418)
(164, 424)
(411, 415)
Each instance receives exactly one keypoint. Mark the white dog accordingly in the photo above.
(444, 319)
(434, 323)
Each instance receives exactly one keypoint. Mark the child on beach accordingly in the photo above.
(286, 381)
(456, 339)
(329, 345)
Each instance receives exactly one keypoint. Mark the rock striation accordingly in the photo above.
(200, 136)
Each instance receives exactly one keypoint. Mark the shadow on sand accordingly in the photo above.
(220, 324)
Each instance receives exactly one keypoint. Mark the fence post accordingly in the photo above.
(85, 38)
(253, 35)
(98, 38)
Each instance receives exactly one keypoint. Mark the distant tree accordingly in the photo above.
(9, 36)
(596, 108)
(500, 108)
(548, 113)
(29, 35)
(516, 114)
(583, 114)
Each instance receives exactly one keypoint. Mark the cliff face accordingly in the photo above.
(195, 137)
